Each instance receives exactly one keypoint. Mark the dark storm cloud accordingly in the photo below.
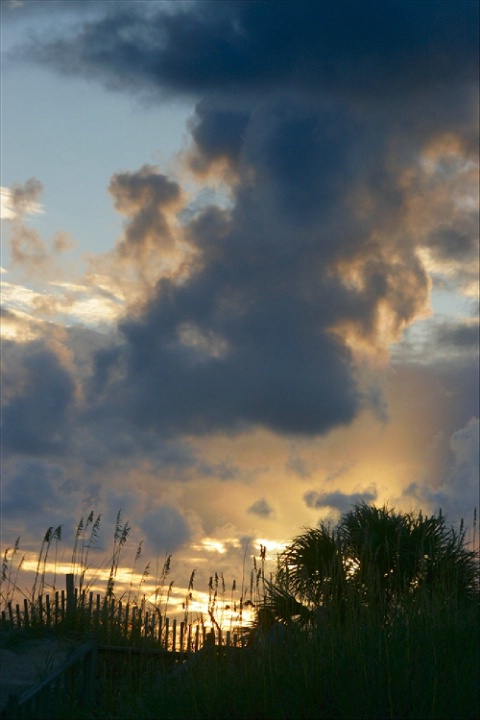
(348, 46)
(338, 500)
(217, 132)
(247, 338)
(272, 371)
(38, 396)
(320, 110)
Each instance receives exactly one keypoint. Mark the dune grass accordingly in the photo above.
(422, 666)
(422, 662)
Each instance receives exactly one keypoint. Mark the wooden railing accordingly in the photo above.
(113, 628)
(75, 680)
(114, 622)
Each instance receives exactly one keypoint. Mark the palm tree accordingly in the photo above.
(311, 574)
(374, 557)
(399, 554)
(383, 550)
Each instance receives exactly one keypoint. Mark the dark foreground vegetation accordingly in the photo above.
(375, 618)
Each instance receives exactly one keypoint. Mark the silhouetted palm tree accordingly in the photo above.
(374, 557)
(311, 574)
(395, 555)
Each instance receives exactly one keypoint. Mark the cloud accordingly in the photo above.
(151, 245)
(463, 336)
(38, 396)
(443, 208)
(217, 130)
(18, 10)
(465, 471)
(27, 311)
(20, 200)
(38, 493)
(340, 501)
(366, 48)
(297, 465)
(261, 508)
(458, 339)
(6, 209)
(31, 488)
(165, 529)
(143, 196)
(341, 139)
(29, 252)
(256, 331)
(255, 314)
(456, 494)
(17, 297)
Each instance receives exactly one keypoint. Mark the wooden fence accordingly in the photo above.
(113, 621)
(75, 680)
(113, 628)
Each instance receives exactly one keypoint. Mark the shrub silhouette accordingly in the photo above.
(374, 558)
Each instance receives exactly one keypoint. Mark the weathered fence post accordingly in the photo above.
(26, 620)
(48, 610)
(11, 709)
(40, 610)
(182, 635)
(167, 631)
(71, 598)
(90, 672)
(19, 616)
(10, 612)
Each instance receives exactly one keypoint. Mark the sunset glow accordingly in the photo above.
(240, 275)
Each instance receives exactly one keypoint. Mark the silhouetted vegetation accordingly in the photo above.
(377, 617)
(375, 559)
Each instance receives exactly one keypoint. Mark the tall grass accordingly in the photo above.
(9, 580)
(421, 664)
(119, 610)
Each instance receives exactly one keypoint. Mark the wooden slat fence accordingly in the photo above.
(113, 621)
(74, 680)
(113, 628)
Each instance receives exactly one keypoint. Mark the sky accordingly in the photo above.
(239, 269)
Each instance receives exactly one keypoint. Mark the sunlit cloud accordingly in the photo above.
(63, 303)
(19, 297)
(87, 305)
(6, 208)
(272, 547)
(212, 545)
(20, 200)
